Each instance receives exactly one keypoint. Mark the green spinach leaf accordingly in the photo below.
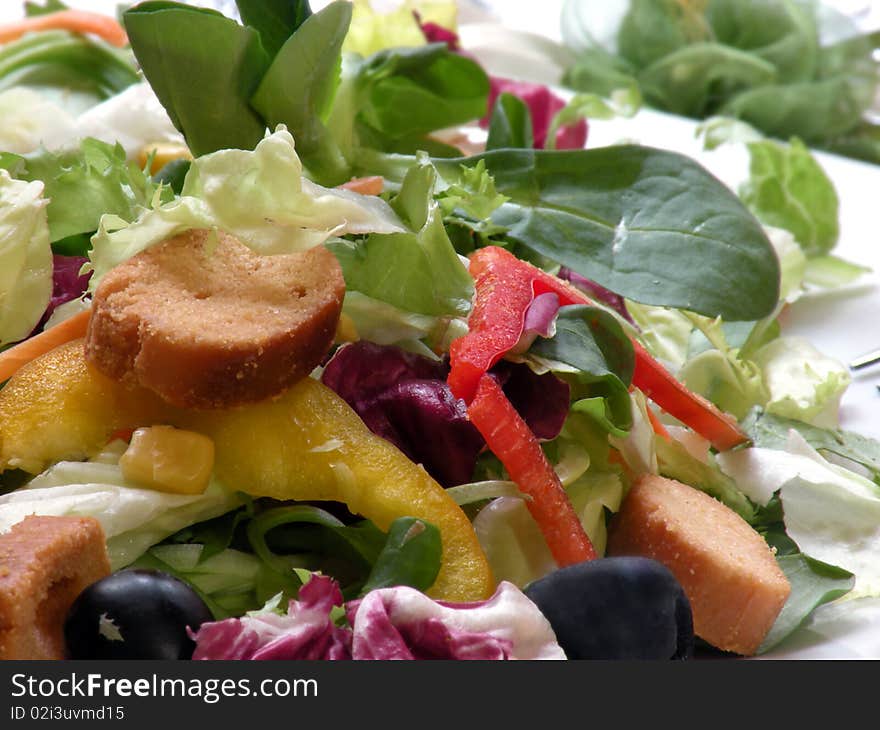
(224, 62)
(274, 20)
(411, 556)
(510, 124)
(651, 225)
(299, 88)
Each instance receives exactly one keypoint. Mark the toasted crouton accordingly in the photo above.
(214, 326)
(45, 563)
(728, 572)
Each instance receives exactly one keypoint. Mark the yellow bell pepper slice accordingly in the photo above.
(310, 445)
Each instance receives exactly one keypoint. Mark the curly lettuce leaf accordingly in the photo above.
(259, 196)
(84, 183)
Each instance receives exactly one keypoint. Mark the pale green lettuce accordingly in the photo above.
(788, 188)
(417, 271)
(132, 518)
(25, 257)
(259, 196)
(802, 382)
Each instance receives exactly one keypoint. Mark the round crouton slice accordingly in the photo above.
(206, 323)
(728, 572)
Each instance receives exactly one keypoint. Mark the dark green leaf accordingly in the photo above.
(812, 584)
(275, 20)
(510, 124)
(299, 88)
(173, 174)
(413, 91)
(223, 62)
(75, 245)
(651, 225)
(214, 535)
(411, 556)
(592, 341)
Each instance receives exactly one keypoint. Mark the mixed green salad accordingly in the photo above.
(256, 125)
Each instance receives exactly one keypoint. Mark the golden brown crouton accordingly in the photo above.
(208, 326)
(728, 572)
(45, 563)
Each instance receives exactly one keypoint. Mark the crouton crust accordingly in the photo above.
(728, 572)
(45, 563)
(206, 323)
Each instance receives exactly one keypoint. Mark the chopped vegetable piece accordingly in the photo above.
(22, 353)
(365, 185)
(661, 386)
(76, 21)
(169, 459)
(511, 440)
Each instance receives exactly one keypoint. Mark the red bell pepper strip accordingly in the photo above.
(496, 321)
(511, 440)
(505, 286)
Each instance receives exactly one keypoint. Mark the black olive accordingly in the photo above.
(134, 614)
(616, 608)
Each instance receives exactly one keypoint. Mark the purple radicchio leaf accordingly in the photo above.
(388, 623)
(541, 400)
(67, 284)
(404, 398)
(402, 623)
(597, 291)
(435, 33)
(306, 632)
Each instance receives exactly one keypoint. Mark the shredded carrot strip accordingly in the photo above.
(365, 185)
(76, 21)
(658, 427)
(18, 356)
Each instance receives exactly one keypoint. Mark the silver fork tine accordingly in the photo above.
(863, 361)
